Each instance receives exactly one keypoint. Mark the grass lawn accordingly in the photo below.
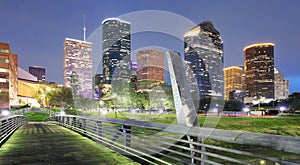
(287, 126)
(36, 116)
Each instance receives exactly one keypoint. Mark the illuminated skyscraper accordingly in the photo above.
(8, 76)
(232, 80)
(150, 68)
(281, 86)
(203, 52)
(259, 70)
(116, 49)
(38, 72)
(78, 63)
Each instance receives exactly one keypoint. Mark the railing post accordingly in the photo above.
(84, 125)
(99, 129)
(127, 131)
(74, 122)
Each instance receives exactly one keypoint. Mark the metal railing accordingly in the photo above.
(9, 124)
(157, 143)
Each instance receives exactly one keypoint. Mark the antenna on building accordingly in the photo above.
(84, 28)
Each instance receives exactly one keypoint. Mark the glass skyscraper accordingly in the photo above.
(203, 52)
(78, 61)
(116, 49)
(259, 70)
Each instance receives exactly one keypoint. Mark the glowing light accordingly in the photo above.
(62, 113)
(246, 109)
(262, 162)
(5, 112)
(258, 44)
(282, 108)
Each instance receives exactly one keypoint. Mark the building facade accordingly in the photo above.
(8, 76)
(259, 70)
(38, 72)
(281, 86)
(78, 65)
(203, 52)
(116, 47)
(232, 80)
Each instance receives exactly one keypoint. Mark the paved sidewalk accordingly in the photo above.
(41, 143)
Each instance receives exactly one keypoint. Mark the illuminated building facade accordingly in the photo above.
(78, 63)
(259, 70)
(150, 68)
(281, 86)
(232, 80)
(8, 76)
(116, 47)
(38, 72)
(203, 52)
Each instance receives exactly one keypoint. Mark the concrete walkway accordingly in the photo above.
(40, 143)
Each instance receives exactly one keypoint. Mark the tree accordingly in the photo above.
(61, 97)
(233, 105)
(293, 102)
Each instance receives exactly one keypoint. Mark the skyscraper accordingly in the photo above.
(232, 80)
(259, 70)
(38, 72)
(281, 86)
(8, 76)
(203, 52)
(78, 64)
(116, 49)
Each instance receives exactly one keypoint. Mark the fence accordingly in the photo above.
(9, 124)
(156, 143)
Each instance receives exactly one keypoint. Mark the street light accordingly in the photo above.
(100, 104)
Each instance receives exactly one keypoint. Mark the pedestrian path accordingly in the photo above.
(41, 143)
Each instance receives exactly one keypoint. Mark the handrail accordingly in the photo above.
(133, 136)
(9, 124)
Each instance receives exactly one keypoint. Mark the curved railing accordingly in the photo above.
(9, 124)
(157, 143)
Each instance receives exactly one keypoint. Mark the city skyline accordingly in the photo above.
(36, 33)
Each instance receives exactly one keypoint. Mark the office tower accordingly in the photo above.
(38, 72)
(203, 52)
(232, 80)
(78, 65)
(150, 70)
(259, 70)
(115, 49)
(8, 77)
(281, 85)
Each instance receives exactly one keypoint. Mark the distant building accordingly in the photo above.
(78, 63)
(238, 95)
(281, 86)
(203, 52)
(38, 72)
(8, 76)
(232, 80)
(28, 87)
(259, 70)
(116, 47)
(150, 68)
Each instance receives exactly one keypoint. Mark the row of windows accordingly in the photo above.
(4, 51)
(4, 60)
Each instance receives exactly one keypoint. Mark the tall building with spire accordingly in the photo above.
(259, 70)
(116, 47)
(78, 64)
(203, 52)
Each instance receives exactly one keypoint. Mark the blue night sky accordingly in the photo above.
(36, 29)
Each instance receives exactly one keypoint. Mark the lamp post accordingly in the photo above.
(100, 105)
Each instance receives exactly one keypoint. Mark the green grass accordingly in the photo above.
(36, 116)
(286, 126)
